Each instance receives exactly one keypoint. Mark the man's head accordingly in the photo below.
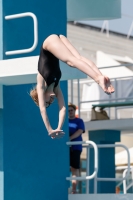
(71, 111)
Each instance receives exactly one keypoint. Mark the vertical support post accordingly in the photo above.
(78, 96)
(71, 91)
(124, 182)
(106, 165)
(109, 108)
(115, 98)
(130, 31)
(106, 27)
(87, 169)
(95, 184)
(132, 177)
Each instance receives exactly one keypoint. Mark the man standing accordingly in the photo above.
(76, 128)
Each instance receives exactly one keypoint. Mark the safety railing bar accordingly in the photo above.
(113, 66)
(87, 170)
(111, 145)
(103, 146)
(121, 167)
(124, 181)
(102, 100)
(130, 185)
(112, 79)
(83, 178)
(111, 179)
(96, 161)
(27, 14)
(121, 182)
(80, 142)
(109, 100)
(122, 77)
(128, 156)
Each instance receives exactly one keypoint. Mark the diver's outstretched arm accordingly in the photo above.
(62, 108)
(41, 97)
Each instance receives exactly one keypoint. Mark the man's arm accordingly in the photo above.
(62, 108)
(81, 129)
(76, 134)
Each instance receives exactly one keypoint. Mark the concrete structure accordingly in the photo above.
(93, 9)
(88, 40)
(104, 51)
(31, 163)
(123, 25)
(26, 170)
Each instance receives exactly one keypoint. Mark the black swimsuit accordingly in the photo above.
(48, 67)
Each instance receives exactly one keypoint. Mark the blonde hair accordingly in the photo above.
(72, 105)
(34, 96)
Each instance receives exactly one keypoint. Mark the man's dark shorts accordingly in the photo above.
(75, 158)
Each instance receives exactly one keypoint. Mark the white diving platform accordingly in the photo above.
(24, 70)
(116, 124)
(100, 196)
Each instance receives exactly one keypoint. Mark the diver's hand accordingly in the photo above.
(57, 133)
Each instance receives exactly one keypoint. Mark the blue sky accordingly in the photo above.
(119, 25)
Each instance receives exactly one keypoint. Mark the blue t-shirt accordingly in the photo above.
(74, 125)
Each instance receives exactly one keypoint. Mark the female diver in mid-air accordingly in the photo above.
(55, 48)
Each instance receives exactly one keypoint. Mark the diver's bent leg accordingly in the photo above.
(54, 45)
(77, 55)
(71, 48)
(89, 62)
(59, 50)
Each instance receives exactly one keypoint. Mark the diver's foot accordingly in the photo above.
(105, 84)
(74, 192)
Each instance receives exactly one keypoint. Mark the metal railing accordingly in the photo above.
(95, 158)
(94, 175)
(105, 26)
(109, 99)
(121, 168)
(125, 187)
(33, 16)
